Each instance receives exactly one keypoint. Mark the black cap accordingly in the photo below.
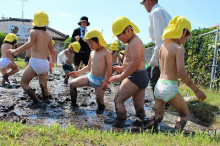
(84, 19)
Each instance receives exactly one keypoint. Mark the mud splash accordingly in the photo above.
(15, 105)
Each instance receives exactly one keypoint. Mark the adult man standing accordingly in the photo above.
(78, 35)
(159, 19)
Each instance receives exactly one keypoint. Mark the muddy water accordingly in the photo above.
(16, 105)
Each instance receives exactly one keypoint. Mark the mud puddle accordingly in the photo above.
(15, 105)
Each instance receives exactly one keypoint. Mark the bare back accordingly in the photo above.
(135, 50)
(167, 60)
(41, 43)
(114, 56)
(4, 49)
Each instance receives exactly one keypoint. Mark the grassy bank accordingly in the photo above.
(18, 134)
(207, 110)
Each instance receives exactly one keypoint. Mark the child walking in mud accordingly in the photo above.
(99, 67)
(39, 42)
(133, 75)
(171, 60)
(116, 58)
(6, 60)
(65, 59)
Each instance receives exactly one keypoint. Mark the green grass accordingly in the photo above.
(206, 110)
(20, 63)
(19, 134)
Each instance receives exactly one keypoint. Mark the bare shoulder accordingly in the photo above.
(136, 43)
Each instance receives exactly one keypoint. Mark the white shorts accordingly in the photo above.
(40, 66)
(4, 62)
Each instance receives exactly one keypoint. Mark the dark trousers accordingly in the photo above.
(154, 75)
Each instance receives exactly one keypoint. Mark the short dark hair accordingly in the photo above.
(95, 39)
(187, 33)
(40, 28)
(12, 43)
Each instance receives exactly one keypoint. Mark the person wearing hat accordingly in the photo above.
(159, 19)
(78, 35)
(40, 43)
(99, 67)
(116, 58)
(6, 60)
(133, 75)
(171, 60)
(65, 59)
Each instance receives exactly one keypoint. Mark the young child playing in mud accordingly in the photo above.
(133, 75)
(171, 60)
(6, 60)
(39, 42)
(99, 67)
(54, 56)
(65, 58)
(116, 58)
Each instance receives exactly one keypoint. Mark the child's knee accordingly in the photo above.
(72, 85)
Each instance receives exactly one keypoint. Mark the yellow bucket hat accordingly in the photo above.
(174, 30)
(114, 46)
(75, 46)
(40, 19)
(95, 33)
(11, 37)
(53, 42)
(121, 23)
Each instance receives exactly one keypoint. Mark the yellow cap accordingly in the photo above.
(53, 42)
(174, 30)
(121, 23)
(122, 52)
(11, 37)
(95, 33)
(40, 19)
(75, 46)
(114, 46)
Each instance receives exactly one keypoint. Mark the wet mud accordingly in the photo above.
(16, 106)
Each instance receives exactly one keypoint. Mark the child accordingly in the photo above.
(6, 60)
(133, 74)
(65, 59)
(171, 60)
(54, 55)
(39, 42)
(99, 67)
(116, 58)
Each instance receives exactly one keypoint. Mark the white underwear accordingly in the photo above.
(4, 62)
(40, 66)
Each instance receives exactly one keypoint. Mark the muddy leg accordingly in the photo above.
(43, 85)
(126, 90)
(77, 82)
(180, 106)
(31, 93)
(28, 75)
(138, 101)
(100, 100)
(159, 112)
(73, 95)
(14, 68)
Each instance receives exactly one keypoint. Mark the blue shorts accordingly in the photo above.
(94, 81)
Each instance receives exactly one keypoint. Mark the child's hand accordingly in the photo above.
(118, 68)
(10, 52)
(104, 85)
(116, 78)
(200, 95)
(74, 74)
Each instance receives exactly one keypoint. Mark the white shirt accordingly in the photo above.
(159, 19)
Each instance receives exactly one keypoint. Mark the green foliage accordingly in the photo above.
(2, 36)
(67, 42)
(199, 53)
(148, 45)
